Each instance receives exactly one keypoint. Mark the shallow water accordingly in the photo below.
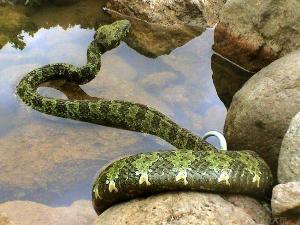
(53, 160)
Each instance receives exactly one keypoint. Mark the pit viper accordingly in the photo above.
(194, 165)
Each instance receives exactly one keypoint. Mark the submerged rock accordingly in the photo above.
(261, 111)
(186, 208)
(32, 213)
(255, 33)
(286, 198)
(289, 157)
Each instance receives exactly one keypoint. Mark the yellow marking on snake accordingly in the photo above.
(144, 178)
(182, 175)
(112, 186)
(256, 179)
(224, 176)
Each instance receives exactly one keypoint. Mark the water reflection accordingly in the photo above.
(153, 40)
(228, 78)
(53, 160)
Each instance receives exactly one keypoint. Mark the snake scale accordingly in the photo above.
(194, 165)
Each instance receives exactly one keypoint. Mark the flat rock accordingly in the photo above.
(186, 208)
(286, 198)
(261, 111)
(289, 157)
(32, 213)
(255, 33)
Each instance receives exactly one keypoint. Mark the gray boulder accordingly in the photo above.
(289, 157)
(186, 208)
(255, 33)
(261, 111)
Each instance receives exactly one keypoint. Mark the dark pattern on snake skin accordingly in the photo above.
(196, 165)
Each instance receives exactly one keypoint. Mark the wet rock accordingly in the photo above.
(261, 111)
(154, 39)
(31, 213)
(170, 12)
(289, 157)
(286, 198)
(255, 33)
(160, 26)
(228, 78)
(185, 208)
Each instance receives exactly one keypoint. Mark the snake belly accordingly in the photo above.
(195, 165)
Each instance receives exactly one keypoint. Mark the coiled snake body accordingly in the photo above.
(195, 165)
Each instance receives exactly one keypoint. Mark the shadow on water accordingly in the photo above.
(53, 160)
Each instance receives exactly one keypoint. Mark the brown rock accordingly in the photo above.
(286, 198)
(186, 208)
(155, 39)
(255, 33)
(31, 213)
(170, 12)
(261, 111)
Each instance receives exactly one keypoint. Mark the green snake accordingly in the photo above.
(195, 164)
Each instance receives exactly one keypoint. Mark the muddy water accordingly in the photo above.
(53, 160)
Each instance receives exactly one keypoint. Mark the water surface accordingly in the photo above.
(53, 160)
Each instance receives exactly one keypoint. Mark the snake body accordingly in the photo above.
(195, 165)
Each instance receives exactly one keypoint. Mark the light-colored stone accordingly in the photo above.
(186, 208)
(31, 213)
(255, 33)
(261, 111)
(289, 157)
(286, 198)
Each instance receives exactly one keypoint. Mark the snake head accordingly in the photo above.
(109, 36)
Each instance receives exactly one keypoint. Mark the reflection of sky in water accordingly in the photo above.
(187, 95)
